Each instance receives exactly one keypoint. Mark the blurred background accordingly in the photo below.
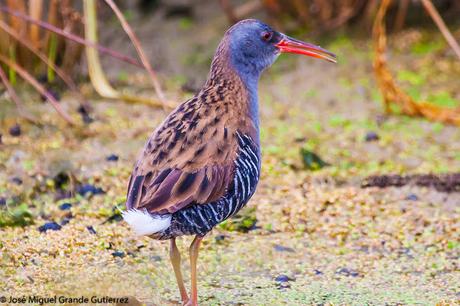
(359, 199)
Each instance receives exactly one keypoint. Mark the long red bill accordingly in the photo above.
(291, 45)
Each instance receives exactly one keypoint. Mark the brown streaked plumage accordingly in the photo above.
(202, 164)
(190, 157)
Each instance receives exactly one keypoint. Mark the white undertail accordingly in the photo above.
(145, 224)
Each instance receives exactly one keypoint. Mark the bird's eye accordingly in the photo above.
(267, 36)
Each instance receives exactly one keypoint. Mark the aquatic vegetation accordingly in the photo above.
(310, 237)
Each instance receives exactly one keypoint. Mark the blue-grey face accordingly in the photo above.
(253, 46)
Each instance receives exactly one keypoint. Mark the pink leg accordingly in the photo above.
(194, 248)
(174, 255)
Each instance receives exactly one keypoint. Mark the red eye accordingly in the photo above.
(267, 36)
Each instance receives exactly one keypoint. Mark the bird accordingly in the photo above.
(201, 165)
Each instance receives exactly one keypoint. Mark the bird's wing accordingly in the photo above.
(188, 160)
(173, 189)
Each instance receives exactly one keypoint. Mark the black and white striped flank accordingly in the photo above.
(200, 219)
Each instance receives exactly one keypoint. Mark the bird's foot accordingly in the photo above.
(185, 299)
(189, 302)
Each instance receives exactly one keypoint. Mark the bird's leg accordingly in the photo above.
(194, 247)
(174, 255)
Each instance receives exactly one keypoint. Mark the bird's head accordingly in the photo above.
(254, 46)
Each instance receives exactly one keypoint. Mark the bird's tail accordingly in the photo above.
(144, 224)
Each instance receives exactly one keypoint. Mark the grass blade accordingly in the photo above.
(96, 73)
(52, 52)
(15, 97)
(52, 21)
(11, 71)
(16, 23)
(35, 11)
(4, 38)
(10, 89)
(21, 56)
(431, 9)
(391, 92)
(67, 80)
(140, 51)
(32, 81)
(72, 37)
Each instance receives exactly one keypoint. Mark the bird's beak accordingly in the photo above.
(292, 45)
